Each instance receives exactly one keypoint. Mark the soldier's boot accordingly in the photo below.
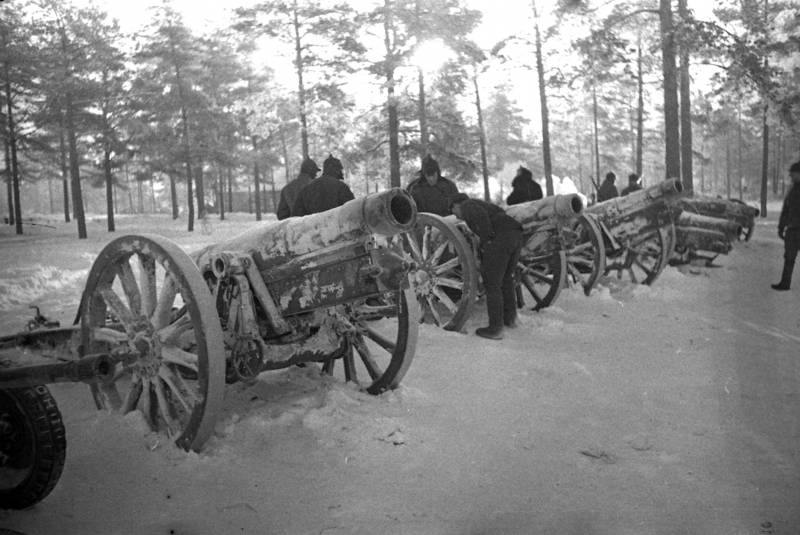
(786, 278)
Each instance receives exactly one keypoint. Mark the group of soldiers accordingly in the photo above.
(608, 190)
(500, 235)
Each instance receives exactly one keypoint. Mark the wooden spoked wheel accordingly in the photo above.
(379, 343)
(543, 276)
(644, 257)
(145, 298)
(586, 254)
(445, 280)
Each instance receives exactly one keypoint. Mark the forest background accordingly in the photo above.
(166, 116)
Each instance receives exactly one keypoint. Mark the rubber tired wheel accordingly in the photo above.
(446, 278)
(543, 276)
(33, 446)
(145, 293)
(645, 257)
(381, 342)
(586, 254)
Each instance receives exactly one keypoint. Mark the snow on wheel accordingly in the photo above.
(446, 276)
(380, 343)
(144, 293)
(543, 276)
(644, 257)
(33, 446)
(586, 254)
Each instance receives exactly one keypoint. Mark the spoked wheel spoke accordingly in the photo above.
(175, 375)
(543, 277)
(379, 350)
(585, 251)
(446, 278)
(644, 259)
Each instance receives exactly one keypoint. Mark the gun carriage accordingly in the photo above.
(638, 231)
(699, 237)
(161, 332)
(559, 244)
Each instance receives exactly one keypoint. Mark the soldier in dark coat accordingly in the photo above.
(607, 189)
(325, 192)
(500, 243)
(524, 188)
(634, 184)
(430, 190)
(308, 172)
(789, 228)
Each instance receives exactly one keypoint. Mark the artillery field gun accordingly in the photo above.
(638, 232)
(161, 332)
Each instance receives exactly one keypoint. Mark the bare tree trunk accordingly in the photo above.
(482, 137)
(301, 91)
(687, 159)
(639, 108)
(256, 179)
(596, 143)
(230, 189)
(200, 189)
(109, 188)
(672, 155)
(9, 185)
(173, 196)
(728, 169)
(62, 146)
(75, 174)
(765, 162)
(221, 193)
(391, 100)
(548, 168)
(739, 167)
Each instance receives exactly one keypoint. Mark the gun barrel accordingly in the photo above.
(273, 243)
(618, 209)
(531, 213)
(731, 230)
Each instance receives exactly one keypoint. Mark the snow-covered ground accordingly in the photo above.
(666, 409)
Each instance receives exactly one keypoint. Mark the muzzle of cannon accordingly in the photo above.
(735, 211)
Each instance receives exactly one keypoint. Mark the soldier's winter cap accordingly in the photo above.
(333, 167)
(456, 198)
(309, 166)
(633, 178)
(795, 168)
(429, 165)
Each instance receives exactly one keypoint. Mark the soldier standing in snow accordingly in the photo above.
(308, 172)
(634, 184)
(325, 192)
(789, 228)
(607, 189)
(500, 243)
(430, 190)
(524, 188)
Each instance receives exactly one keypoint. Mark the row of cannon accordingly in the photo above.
(162, 332)
(568, 243)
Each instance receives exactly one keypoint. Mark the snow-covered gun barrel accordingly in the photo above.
(732, 210)
(638, 232)
(703, 237)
